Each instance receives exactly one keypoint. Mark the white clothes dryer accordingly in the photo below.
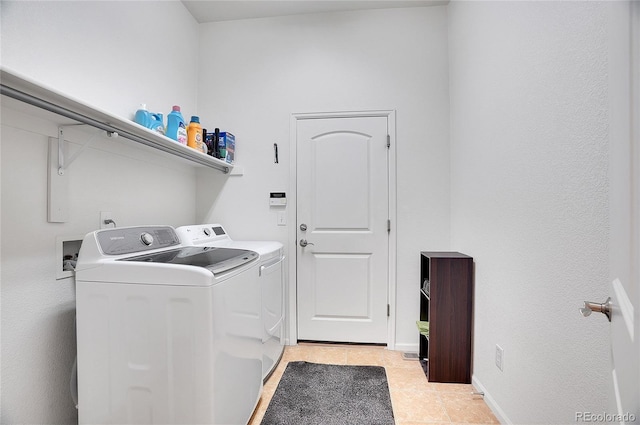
(166, 333)
(271, 283)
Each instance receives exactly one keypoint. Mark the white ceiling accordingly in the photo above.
(229, 10)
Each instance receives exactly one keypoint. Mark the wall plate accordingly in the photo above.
(66, 245)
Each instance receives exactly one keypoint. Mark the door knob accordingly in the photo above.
(303, 243)
(590, 307)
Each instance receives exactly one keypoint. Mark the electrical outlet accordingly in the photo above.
(500, 357)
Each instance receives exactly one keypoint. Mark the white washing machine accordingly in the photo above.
(167, 333)
(271, 283)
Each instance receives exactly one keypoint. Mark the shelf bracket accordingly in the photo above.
(58, 179)
(64, 164)
(58, 182)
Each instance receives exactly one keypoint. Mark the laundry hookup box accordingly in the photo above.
(229, 141)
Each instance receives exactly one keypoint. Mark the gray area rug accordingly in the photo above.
(321, 394)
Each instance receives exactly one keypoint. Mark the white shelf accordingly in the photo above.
(22, 89)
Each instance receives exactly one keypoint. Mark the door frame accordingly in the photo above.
(624, 92)
(292, 307)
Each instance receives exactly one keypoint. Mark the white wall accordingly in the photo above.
(255, 73)
(528, 166)
(529, 196)
(113, 56)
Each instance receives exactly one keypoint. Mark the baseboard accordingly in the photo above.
(411, 348)
(491, 402)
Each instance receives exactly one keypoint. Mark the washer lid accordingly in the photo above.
(217, 260)
(267, 250)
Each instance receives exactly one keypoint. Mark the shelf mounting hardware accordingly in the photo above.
(604, 308)
(63, 162)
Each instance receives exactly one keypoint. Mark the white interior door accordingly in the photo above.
(342, 213)
(624, 213)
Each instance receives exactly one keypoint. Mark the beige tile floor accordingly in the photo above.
(415, 401)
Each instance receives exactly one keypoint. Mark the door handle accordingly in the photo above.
(303, 243)
(590, 307)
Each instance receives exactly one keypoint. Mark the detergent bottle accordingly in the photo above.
(143, 117)
(176, 129)
(194, 133)
(157, 123)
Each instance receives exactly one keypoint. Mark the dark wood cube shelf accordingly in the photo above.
(446, 302)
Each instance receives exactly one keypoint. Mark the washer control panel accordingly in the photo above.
(127, 240)
(202, 234)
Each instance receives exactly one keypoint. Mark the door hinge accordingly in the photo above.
(388, 141)
(388, 225)
(388, 310)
